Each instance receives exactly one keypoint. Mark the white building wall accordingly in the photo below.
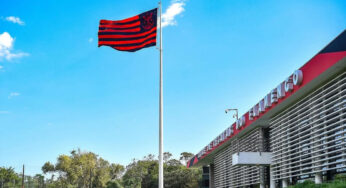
(309, 138)
(227, 175)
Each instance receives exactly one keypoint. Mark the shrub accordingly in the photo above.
(311, 184)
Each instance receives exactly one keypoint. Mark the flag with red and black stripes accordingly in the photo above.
(130, 34)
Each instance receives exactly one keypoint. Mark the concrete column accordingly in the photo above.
(318, 178)
(272, 182)
(284, 183)
(261, 185)
(211, 176)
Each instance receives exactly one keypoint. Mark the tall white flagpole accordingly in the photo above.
(161, 109)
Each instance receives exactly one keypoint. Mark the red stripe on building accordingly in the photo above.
(311, 70)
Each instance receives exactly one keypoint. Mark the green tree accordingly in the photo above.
(144, 173)
(48, 167)
(141, 173)
(185, 157)
(8, 175)
(177, 175)
(116, 170)
(114, 184)
(83, 170)
(166, 156)
(39, 179)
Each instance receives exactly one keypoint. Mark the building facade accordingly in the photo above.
(296, 132)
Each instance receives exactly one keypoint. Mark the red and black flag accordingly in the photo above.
(130, 34)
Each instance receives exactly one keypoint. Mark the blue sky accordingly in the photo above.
(59, 91)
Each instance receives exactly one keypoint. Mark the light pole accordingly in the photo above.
(233, 109)
(235, 116)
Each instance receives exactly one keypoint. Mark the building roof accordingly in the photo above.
(330, 60)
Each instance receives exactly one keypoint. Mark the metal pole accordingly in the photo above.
(161, 110)
(23, 178)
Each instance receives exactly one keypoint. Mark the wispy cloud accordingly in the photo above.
(6, 48)
(4, 112)
(14, 19)
(90, 40)
(176, 8)
(13, 94)
(1, 67)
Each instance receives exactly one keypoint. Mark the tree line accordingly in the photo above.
(88, 170)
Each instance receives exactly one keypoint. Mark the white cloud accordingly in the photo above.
(6, 46)
(16, 55)
(14, 19)
(13, 94)
(91, 40)
(176, 8)
(6, 41)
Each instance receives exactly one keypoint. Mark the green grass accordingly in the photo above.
(311, 184)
